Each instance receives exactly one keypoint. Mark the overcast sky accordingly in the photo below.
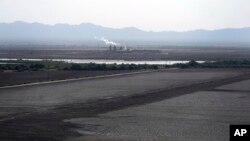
(150, 15)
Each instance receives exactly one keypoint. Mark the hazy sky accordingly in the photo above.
(155, 15)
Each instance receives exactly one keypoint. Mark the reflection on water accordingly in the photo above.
(102, 61)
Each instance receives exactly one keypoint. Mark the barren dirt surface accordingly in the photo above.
(69, 110)
(17, 78)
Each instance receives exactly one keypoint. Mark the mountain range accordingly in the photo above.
(22, 31)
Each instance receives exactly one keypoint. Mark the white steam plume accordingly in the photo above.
(106, 41)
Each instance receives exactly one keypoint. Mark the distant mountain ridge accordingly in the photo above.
(86, 31)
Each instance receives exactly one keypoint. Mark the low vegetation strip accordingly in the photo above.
(21, 65)
(215, 64)
(25, 72)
